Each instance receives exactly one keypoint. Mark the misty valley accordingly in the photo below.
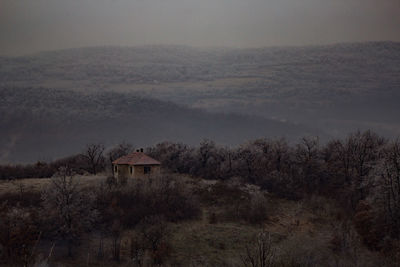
(167, 155)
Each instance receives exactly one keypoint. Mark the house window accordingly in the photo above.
(115, 168)
(131, 169)
(147, 169)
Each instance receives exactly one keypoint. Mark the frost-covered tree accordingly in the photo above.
(93, 155)
(69, 210)
(388, 185)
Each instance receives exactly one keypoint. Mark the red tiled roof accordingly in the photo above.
(136, 158)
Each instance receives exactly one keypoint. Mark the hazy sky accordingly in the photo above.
(32, 25)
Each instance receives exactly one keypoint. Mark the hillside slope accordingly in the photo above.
(41, 124)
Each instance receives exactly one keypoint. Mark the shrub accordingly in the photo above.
(367, 226)
(18, 235)
(162, 195)
(26, 199)
(152, 234)
(257, 211)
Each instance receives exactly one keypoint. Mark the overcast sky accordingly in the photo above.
(28, 26)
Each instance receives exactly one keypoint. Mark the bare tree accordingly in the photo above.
(206, 150)
(249, 158)
(93, 154)
(280, 156)
(119, 150)
(307, 158)
(116, 233)
(152, 233)
(265, 146)
(349, 163)
(69, 210)
(363, 150)
(208, 159)
(260, 254)
(389, 185)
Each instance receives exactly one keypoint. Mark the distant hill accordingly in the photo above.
(335, 65)
(43, 124)
(109, 93)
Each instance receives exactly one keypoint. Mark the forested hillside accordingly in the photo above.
(337, 88)
(43, 124)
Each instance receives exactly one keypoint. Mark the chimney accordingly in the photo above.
(137, 150)
(141, 150)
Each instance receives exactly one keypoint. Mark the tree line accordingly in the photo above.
(360, 172)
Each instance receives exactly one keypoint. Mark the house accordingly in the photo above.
(135, 165)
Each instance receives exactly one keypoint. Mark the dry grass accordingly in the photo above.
(202, 244)
(37, 184)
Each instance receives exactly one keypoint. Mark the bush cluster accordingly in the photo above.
(362, 168)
